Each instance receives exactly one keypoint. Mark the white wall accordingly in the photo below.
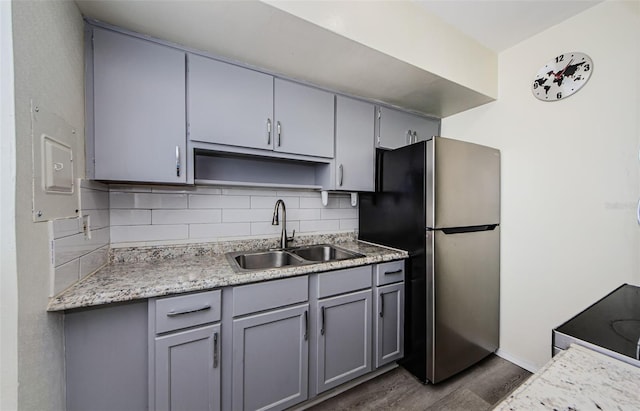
(49, 64)
(570, 176)
(8, 270)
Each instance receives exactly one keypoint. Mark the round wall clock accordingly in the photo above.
(562, 76)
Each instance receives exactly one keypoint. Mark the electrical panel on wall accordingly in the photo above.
(54, 142)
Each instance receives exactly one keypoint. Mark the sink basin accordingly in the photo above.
(243, 261)
(264, 260)
(324, 252)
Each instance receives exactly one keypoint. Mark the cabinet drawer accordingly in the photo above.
(344, 281)
(173, 313)
(270, 294)
(388, 273)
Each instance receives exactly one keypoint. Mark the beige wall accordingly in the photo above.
(8, 276)
(48, 53)
(570, 176)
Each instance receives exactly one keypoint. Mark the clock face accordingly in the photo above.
(562, 76)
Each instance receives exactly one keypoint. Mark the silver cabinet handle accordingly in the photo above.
(268, 131)
(177, 161)
(341, 172)
(393, 272)
(306, 325)
(322, 328)
(279, 131)
(381, 305)
(215, 350)
(188, 311)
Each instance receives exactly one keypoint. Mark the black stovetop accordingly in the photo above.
(612, 323)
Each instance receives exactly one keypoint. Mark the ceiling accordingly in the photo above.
(501, 24)
(260, 35)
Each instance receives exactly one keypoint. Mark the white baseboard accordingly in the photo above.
(517, 361)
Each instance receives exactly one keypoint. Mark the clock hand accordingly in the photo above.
(561, 73)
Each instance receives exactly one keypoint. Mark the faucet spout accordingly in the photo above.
(275, 221)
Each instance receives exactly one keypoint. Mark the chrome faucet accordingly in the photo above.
(283, 236)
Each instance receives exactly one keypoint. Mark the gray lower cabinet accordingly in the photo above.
(399, 128)
(389, 323)
(185, 356)
(355, 151)
(344, 338)
(270, 359)
(105, 353)
(137, 88)
(187, 370)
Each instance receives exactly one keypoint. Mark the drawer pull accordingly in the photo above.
(393, 272)
(188, 311)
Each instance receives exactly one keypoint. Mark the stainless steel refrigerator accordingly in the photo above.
(440, 201)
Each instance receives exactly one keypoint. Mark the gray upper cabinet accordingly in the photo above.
(235, 106)
(187, 370)
(398, 128)
(139, 109)
(270, 359)
(304, 120)
(228, 104)
(344, 342)
(355, 151)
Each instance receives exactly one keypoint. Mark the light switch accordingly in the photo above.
(58, 166)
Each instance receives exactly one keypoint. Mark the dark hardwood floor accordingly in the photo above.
(478, 388)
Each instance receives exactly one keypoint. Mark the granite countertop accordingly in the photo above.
(578, 379)
(139, 273)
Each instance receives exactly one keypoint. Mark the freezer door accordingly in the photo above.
(462, 184)
(463, 300)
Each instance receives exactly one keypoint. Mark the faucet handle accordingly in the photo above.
(293, 234)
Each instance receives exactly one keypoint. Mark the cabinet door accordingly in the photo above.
(270, 359)
(139, 109)
(393, 128)
(304, 119)
(344, 343)
(424, 128)
(229, 104)
(355, 151)
(389, 324)
(187, 370)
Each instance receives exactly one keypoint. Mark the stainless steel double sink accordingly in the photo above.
(244, 261)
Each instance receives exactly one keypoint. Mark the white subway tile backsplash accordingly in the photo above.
(97, 218)
(65, 275)
(188, 216)
(303, 214)
(94, 260)
(75, 246)
(244, 216)
(210, 213)
(66, 227)
(215, 231)
(349, 224)
(94, 199)
(148, 200)
(260, 228)
(138, 233)
(218, 201)
(247, 192)
(319, 226)
(130, 217)
(129, 188)
(338, 213)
